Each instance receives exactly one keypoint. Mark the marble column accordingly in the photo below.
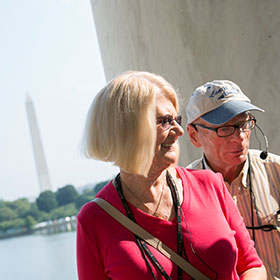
(190, 42)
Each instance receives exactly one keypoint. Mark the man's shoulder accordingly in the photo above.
(197, 164)
(204, 176)
(271, 158)
(197, 169)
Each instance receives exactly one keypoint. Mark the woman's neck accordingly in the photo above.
(151, 194)
(145, 189)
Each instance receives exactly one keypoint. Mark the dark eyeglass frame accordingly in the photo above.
(167, 120)
(253, 122)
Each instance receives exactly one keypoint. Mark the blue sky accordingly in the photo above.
(49, 50)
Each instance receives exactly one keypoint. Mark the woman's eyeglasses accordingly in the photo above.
(227, 130)
(167, 120)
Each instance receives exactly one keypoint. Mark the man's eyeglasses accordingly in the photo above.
(167, 120)
(227, 130)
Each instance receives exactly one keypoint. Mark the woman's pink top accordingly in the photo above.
(212, 226)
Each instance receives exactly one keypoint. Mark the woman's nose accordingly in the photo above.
(177, 128)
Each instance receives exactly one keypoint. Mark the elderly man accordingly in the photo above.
(220, 122)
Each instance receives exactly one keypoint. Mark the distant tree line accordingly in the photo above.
(22, 214)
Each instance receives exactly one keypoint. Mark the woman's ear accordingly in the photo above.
(193, 135)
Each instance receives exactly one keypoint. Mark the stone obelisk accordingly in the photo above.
(40, 160)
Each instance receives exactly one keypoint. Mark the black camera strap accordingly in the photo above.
(141, 243)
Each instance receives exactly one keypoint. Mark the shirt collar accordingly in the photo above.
(244, 174)
(242, 177)
(204, 163)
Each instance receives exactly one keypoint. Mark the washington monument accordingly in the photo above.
(40, 160)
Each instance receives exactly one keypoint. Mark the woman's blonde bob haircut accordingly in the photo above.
(121, 122)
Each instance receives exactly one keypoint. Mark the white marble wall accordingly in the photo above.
(191, 42)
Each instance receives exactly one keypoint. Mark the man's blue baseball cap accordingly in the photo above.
(218, 102)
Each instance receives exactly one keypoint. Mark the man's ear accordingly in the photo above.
(193, 135)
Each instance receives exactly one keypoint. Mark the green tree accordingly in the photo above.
(83, 199)
(89, 192)
(33, 211)
(21, 206)
(66, 194)
(7, 214)
(36, 214)
(12, 224)
(46, 201)
(67, 210)
(29, 222)
(99, 186)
